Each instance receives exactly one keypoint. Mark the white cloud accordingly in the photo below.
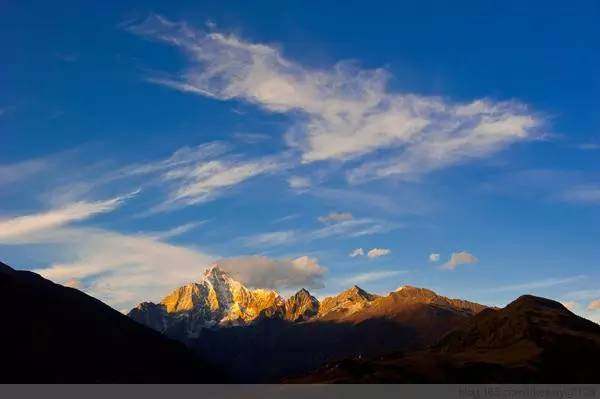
(377, 252)
(298, 182)
(120, 269)
(123, 270)
(594, 305)
(18, 227)
(345, 111)
(434, 257)
(357, 252)
(183, 157)
(335, 217)
(375, 275)
(459, 258)
(203, 181)
(263, 272)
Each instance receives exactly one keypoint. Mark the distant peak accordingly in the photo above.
(409, 289)
(532, 301)
(355, 290)
(215, 270)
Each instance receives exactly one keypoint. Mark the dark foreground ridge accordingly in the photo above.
(532, 340)
(55, 334)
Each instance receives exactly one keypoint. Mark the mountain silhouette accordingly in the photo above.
(56, 334)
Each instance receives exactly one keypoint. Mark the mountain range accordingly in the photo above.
(231, 333)
(259, 336)
(532, 340)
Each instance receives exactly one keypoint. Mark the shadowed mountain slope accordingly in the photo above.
(284, 336)
(532, 340)
(54, 334)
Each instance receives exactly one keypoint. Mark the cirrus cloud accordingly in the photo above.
(335, 217)
(343, 112)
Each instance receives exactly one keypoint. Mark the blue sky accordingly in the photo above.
(457, 145)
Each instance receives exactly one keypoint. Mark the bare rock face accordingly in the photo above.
(260, 337)
(301, 306)
(346, 303)
(216, 300)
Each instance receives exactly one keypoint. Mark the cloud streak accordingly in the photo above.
(335, 217)
(22, 226)
(378, 252)
(545, 283)
(368, 277)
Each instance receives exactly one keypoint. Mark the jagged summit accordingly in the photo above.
(527, 301)
(301, 306)
(346, 303)
(219, 300)
(216, 300)
(215, 271)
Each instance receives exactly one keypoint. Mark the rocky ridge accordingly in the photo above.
(218, 300)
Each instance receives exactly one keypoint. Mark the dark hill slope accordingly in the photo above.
(53, 334)
(532, 340)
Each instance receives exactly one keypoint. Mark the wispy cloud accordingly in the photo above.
(368, 277)
(582, 295)
(349, 229)
(335, 217)
(346, 111)
(183, 157)
(273, 238)
(583, 194)
(202, 182)
(251, 138)
(175, 231)
(459, 258)
(286, 218)
(594, 305)
(17, 228)
(532, 285)
(434, 257)
(353, 228)
(357, 252)
(588, 146)
(299, 182)
(378, 252)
